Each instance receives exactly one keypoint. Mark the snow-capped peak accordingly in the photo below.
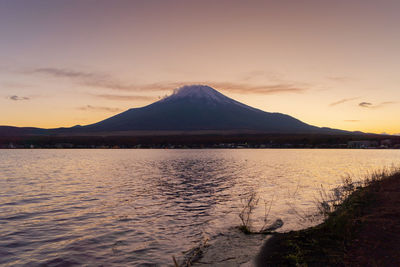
(199, 91)
(203, 93)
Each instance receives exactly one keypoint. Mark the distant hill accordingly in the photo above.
(20, 131)
(190, 109)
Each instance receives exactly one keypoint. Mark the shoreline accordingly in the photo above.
(231, 248)
(363, 229)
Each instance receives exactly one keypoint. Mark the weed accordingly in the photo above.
(328, 243)
(246, 213)
(249, 204)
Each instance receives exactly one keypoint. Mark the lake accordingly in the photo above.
(141, 207)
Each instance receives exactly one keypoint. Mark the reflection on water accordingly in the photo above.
(131, 207)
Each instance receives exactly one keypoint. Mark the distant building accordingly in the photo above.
(63, 145)
(386, 143)
(362, 144)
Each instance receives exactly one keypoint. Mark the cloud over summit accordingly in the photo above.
(106, 81)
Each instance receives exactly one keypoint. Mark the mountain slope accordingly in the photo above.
(199, 108)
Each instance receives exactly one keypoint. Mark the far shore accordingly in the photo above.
(228, 141)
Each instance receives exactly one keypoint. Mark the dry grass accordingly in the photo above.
(249, 204)
(329, 202)
(346, 210)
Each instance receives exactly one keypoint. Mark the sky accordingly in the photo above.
(328, 63)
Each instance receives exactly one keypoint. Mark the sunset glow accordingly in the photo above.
(328, 63)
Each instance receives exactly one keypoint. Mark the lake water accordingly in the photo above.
(141, 207)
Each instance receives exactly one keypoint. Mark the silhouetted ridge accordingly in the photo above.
(199, 108)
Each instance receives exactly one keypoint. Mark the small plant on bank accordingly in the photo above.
(249, 204)
(329, 202)
(351, 211)
(245, 214)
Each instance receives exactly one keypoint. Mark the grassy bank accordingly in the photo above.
(362, 228)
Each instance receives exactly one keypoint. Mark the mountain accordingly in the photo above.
(202, 108)
(194, 109)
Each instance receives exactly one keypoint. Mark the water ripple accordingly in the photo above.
(140, 207)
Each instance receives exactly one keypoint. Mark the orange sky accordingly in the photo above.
(327, 63)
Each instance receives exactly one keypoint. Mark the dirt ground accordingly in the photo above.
(366, 232)
(378, 241)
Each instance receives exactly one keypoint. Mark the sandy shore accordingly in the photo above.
(232, 249)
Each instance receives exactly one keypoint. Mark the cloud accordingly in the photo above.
(387, 103)
(259, 89)
(253, 74)
(105, 81)
(18, 98)
(125, 97)
(98, 80)
(240, 88)
(271, 76)
(344, 100)
(108, 83)
(92, 79)
(365, 104)
(380, 105)
(343, 79)
(97, 108)
(15, 85)
(57, 72)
